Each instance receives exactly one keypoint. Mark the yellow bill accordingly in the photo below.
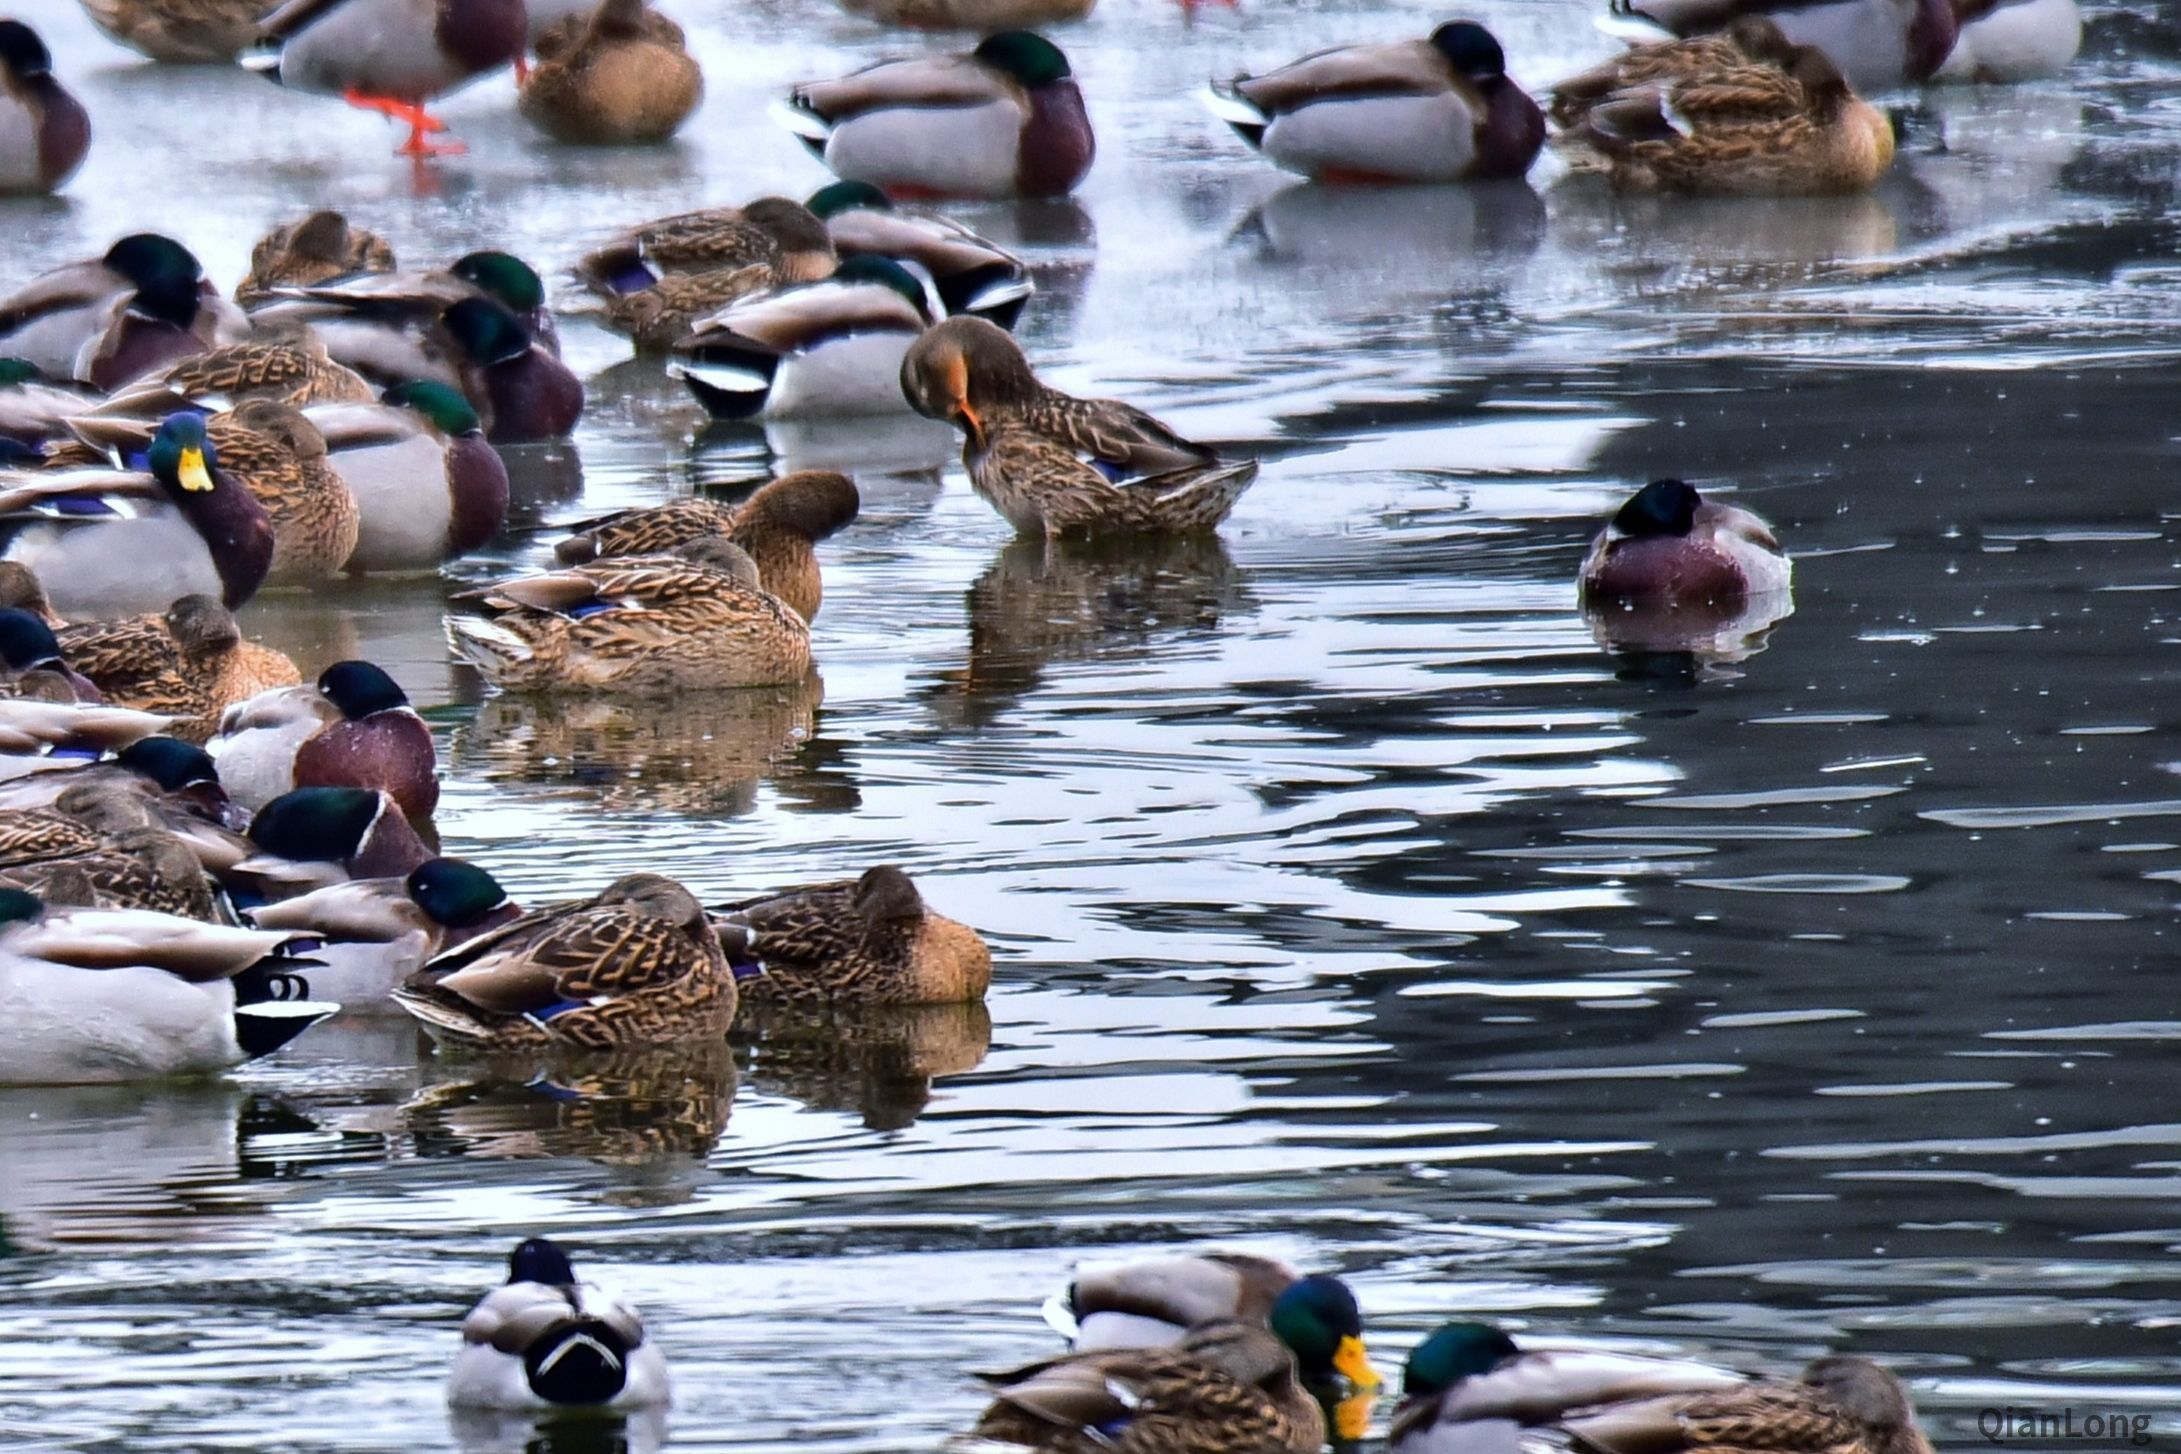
(192, 474)
(1352, 1361)
(1352, 1417)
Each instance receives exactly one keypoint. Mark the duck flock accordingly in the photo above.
(203, 854)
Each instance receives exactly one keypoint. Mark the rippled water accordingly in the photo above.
(1349, 901)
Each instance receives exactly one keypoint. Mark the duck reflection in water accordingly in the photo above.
(1044, 602)
(585, 1431)
(633, 1109)
(1414, 231)
(702, 753)
(877, 1061)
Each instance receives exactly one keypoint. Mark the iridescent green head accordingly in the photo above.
(449, 412)
(1319, 1320)
(507, 278)
(1457, 1351)
(1025, 55)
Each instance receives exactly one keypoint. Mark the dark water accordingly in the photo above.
(1349, 901)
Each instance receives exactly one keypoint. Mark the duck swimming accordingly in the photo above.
(544, 1340)
(1668, 544)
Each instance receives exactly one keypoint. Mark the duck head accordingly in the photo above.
(182, 456)
(454, 894)
(1028, 57)
(443, 405)
(26, 642)
(1453, 1353)
(22, 52)
(360, 689)
(1470, 49)
(810, 503)
(169, 763)
(962, 369)
(507, 279)
(886, 893)
(1661, 508)
(165, 274)
(201, 626)
(540, 1260)
(1318, 1318)
(799, 232)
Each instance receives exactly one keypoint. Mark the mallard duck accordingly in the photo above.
(1226, 1388)
(690, 620)
(658, 278)
(1053, 464)
(1468, 1381)
(311, 838)
(82, 820)
(188, 663)
(188, 32)
(427, 486)
(379, 931)
(274, 451)
(519, 389)
(389, 326)
(318, 249)
(1154, 1301)
(971, 274)
(2012, 40)
(979, 15)
(140, 868)
(97, 996)
(140, 307)
(44, 131)
(1782, 127)
(1435, 110)
(392, 56)
(1876, 44)
(353, 729)
(294, 370)
(868, 940)
(121, 542)
(29, 650)
(1006, 120)
(618, 76)
(830, 347)
(638, 965)
(777, 527)
(35, 409)
(1667, 545)
(1841, 1404)
(543, 1340)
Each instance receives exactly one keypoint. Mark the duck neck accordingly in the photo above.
(239, 535)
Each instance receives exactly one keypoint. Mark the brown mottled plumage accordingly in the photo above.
(639, 964)
(190, 31)
(1751, 40)
(291, 369)
(317, 249)
(1841, 1405)
(692, 620)
(145, 868)
(189, 662)
(869, 940)
(776, 526)
(1782, 124)
(1226, 1388)
(646, 530)
(659, 277)
(1028, 447)
(617, 76)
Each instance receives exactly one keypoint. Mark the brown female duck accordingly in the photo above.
(1053, 464)
(640, 964)
(317, 249)
(619, 76)
(869, 940)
